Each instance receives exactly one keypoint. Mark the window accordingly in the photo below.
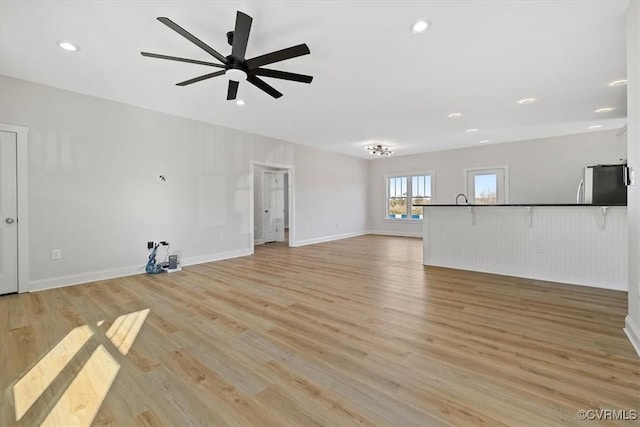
(406, 190)
(487, 186)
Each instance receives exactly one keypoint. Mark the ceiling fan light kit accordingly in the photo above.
(236, 74)
(235, 66)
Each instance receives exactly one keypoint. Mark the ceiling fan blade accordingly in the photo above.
(277, 56)
(241, 36)
(175, 58)
(199, 79)
(261, 84)
(282, 75)
(232, 91)
(193, 39)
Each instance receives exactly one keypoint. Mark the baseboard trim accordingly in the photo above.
(633, 333)
(533, 275)
(77, 279)
(395, 233)
(326, 239)
(258, 242)
(215, 257)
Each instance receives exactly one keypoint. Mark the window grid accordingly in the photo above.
(404, 192)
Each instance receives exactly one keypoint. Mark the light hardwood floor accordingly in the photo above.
(350, 332)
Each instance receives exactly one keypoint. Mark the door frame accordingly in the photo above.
(290, 170)
(22, 164)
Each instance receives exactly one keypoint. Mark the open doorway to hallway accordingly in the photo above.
(272, 204)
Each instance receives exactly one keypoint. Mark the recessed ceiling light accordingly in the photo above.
(471, 130)
(620, 82)
(526, 100)
(240, 102)
(594, 127)
(420, 26)
(604, 109)
(454, 115)
(483, 141)
(68, 46)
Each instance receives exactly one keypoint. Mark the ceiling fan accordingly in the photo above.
(235, 66)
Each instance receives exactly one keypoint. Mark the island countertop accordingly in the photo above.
(568, 243)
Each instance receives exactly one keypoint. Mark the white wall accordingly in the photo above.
(94, 193)
(540, 171)
(335, 189)
(633, 137)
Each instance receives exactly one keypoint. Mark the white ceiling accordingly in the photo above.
(374, 80)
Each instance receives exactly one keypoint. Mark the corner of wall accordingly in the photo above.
(633, 333)
(633, 157)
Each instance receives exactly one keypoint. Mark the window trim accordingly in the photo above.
(408, 175)
(505, 168)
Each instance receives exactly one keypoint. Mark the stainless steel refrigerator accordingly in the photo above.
(604, 185)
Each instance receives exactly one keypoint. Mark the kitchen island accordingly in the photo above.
(577, 244)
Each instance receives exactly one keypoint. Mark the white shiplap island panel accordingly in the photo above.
(568, 244)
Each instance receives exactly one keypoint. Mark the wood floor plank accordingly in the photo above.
(320, 335)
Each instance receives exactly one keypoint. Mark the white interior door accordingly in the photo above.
(273, 206)
(8, 213)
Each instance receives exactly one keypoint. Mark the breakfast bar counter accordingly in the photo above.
(568, 243)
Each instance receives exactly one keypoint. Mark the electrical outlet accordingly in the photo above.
(56, 254)
(149, 245)
(540, 249)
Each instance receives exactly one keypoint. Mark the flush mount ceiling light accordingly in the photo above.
(68, 46)
(471, 130)
(239, 102)
(379, 150)
(454, 115)
(483, 141)
(594, 127)
(420, 26)
(526, 100)
(620, 82)
(604, 109)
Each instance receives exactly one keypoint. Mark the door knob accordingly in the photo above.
(9, 220)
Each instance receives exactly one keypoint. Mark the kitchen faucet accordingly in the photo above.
(466, 202)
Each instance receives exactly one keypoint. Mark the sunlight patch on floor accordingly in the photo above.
(125, 328)
(81, 401)
(31, 386)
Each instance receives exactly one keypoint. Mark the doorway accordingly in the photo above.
(13, 209)
(273, 208)
(272, 219)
